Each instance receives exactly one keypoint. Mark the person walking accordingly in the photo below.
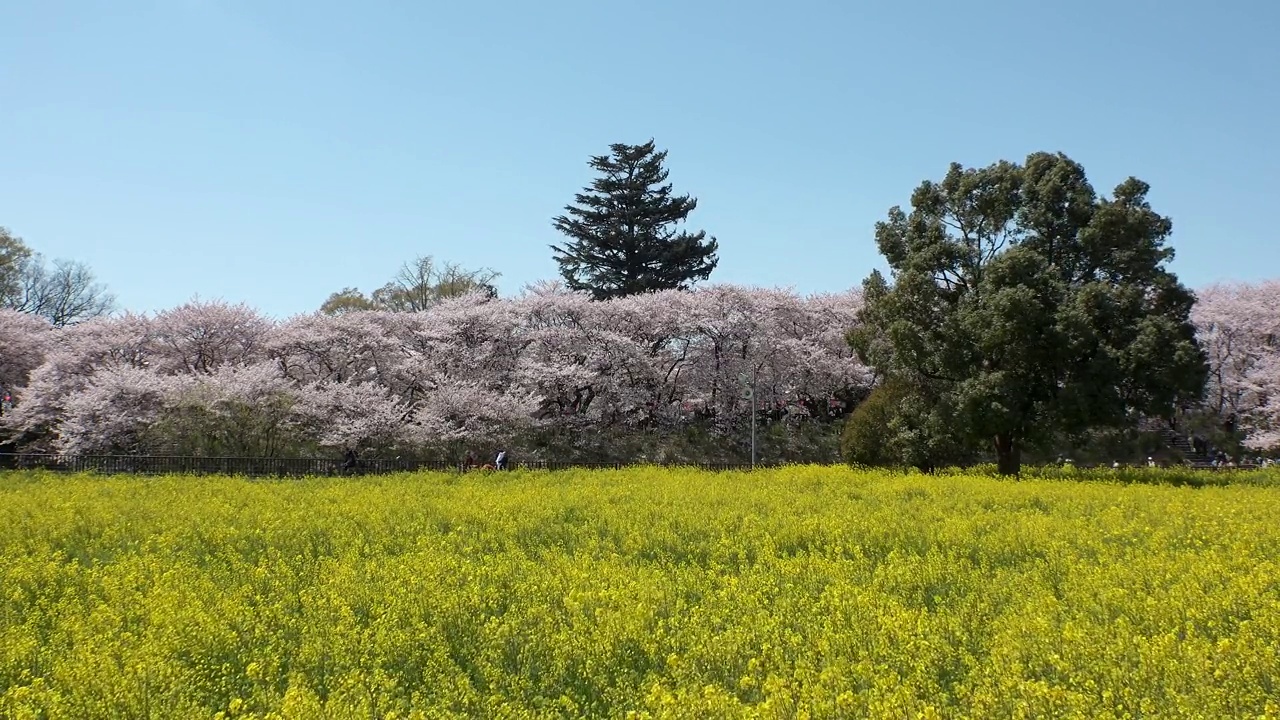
(500, 462)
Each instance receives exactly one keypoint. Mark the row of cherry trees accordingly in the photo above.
(213, 378)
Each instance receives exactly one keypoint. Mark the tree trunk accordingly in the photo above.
(1008, 454)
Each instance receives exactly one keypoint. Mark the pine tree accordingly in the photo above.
(623, 231)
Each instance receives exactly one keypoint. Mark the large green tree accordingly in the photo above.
(624, 234)
(1027, 306)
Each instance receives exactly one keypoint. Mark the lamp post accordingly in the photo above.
(749, 394)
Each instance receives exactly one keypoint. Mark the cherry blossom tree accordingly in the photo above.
(360, 347)
(728, 336)
(667, 361)
(24, 341)
(66, 388)
(466, 339)
(1239, 328)
(340, 415)
(75, 354)
(234, 410)
(198, 337)
(457, 372)
(113, 412)
(556, 361)
(456, 411)
(1260, 398)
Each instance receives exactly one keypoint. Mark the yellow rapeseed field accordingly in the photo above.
(805, 592)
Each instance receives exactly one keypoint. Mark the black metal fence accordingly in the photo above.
(299, 467)
(278, 467)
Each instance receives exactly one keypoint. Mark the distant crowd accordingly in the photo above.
(1220, 460)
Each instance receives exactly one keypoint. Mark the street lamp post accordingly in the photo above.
(749, 394)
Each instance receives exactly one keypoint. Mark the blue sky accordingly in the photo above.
(273, 152)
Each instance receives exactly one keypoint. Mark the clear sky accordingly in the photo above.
(273, 152)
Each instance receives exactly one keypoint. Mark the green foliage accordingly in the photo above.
(623, 236)
(230, 429)
(1215, 428)
(419, 285)
(899, 426)
(1030, 307)
(14, 255)
(803, 592)
(347, 300)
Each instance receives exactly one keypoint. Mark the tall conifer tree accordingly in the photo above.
(623, 230)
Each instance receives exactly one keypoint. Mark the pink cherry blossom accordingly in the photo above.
(1239, 328)
(341, 415)
(198, 337)
(25, 339)
(468, 370)
(112, 412)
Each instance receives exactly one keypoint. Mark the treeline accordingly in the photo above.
(548, 375)
(1024, 314)
(662, 376)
